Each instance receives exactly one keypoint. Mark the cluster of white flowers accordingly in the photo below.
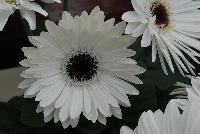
(172, 121)
(186, 94)
(171, 27)
(27, 10)
(83, 64)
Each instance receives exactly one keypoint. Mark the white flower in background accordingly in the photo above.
(51, 1)
(27, 10)
(169, 122)
(186, 93)
(171, 27)
(79, 67)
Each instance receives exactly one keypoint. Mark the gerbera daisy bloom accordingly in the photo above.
(27, 10)
(169, 122)
(187, 93)
(51, 1)
(171, 27)
(81, 66)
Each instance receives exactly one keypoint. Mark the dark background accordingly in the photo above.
(12, 39)
(14, 35)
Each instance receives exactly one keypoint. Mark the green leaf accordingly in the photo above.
(16, 103)
(52, 128)
(163, 81)
(29, 116)
(7, 117)
(10, 119)
(87, 127)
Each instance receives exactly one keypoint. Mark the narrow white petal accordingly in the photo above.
(65, 109)
(146, 38)
(30, 17)
(76, 103)
(87, 100)
(4, 17)
(126, 130)
(63, 97)
(33, 6)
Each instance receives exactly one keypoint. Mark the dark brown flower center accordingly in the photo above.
(162, 15)
(82, 67)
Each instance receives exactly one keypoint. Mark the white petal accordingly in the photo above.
(154, 50)
(48, 110)
(26, 83)
(144, 124)
(116, 111)
(131, 26)
(4, 15)
(56, 115)
(66, 124)
(74, 122)
(190, 119)
(33, 6)
(99, 100)
(87, 100)
(139, 30)
(65, 109)
(51, 94)
(126, 130)
(130, 16)
(171, 118)
(146, 38)
(49, 117)
(102, 119)
(51, 1)
(30, 17)
(77, 103)
(63, 97)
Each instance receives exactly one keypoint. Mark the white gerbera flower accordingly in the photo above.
(27, 9)
(171, 27)
(169, 122)
(186, 93)
(51, 1)
(79, 67)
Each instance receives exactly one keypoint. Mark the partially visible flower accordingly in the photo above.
(169, 122)
(51, 1)
(81, 66)
(186, 93)
(27, 10)
(171, 27)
